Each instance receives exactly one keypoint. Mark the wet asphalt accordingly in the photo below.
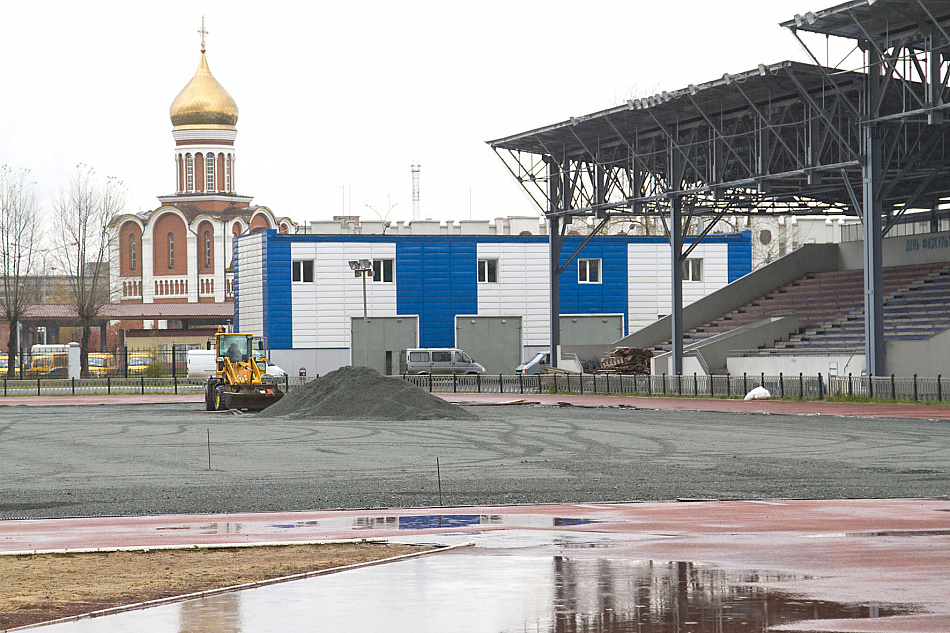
(62, 461)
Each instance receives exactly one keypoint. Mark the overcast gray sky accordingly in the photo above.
(338, 99)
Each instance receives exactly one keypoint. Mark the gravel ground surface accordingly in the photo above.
(153, 459)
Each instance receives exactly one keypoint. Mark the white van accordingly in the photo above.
(201, 363)
(533, 366)
(51, 348)
(439, 360)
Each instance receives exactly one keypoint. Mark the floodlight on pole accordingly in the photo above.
(360, 268)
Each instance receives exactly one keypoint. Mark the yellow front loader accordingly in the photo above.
(240, 367)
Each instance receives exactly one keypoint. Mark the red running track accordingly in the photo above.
(869, 551)
(775, 407)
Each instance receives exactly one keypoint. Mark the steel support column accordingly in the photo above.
(676, 278)
(872, 177)
(873, 258)
(554, 251)
(556, 202)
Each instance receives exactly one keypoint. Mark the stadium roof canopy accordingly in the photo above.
(784, 137)
(875, 20)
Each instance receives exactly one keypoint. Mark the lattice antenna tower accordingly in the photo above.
(415, 191)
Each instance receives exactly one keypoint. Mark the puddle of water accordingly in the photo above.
(393, 523)
(461, 592)
(432, 522)
(601, 595)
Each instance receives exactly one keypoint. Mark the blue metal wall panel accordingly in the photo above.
(740, 256)
(436, 279)
(607, 297)
(278, 305)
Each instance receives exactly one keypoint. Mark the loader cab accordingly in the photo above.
(259, 352)
(234, 347)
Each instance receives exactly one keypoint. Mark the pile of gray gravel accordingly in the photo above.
(361, 393)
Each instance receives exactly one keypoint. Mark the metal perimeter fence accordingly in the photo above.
(102, 386)
(913, 388)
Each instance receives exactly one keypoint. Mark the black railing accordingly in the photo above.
(101, 386)
(799, 386)
(123, 362)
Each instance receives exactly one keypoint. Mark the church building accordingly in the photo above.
(181, 252)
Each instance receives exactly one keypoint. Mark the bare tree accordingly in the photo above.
(82, 242)
(20, 234)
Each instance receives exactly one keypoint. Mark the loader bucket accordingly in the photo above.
(252, 398)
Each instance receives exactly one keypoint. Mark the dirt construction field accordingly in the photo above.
(62, 461)
(154, 459)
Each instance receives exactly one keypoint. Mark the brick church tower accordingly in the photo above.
(182, 251)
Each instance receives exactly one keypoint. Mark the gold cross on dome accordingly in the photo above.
(203, 33)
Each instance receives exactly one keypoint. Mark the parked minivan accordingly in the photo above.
(439, 360)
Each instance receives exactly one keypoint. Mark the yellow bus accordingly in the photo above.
(101, 364)
(48, 366)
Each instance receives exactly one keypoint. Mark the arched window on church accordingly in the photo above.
(209, 173)
(207, 249)
(171, 250)
(227, 174)
(131, 252)
(189, 172)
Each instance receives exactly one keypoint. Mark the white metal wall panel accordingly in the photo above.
(648, 274)
(522, 287)
(251, 277)
(323, 309)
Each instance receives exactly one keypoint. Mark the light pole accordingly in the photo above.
(360, 268)
(383, 219)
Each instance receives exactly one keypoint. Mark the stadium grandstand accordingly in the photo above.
(866, 139)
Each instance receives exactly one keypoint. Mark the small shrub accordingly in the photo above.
(156, 369)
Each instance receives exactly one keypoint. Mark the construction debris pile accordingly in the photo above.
(626, 360)
(361, 393)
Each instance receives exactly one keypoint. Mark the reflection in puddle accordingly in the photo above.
(435, 521)
(221, 614)
(599, 595)
(462, 592)
(413, 522)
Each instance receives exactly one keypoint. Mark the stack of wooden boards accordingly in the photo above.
(626, 360)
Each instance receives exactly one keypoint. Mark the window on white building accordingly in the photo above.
(588, 271)
(693, 269)
(189, 172)
(209, 172)
(207, 249)
(131, 252)
(383, 270)
(302, 270)
(227, 173)
(487, 271)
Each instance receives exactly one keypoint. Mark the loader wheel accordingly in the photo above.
(219, 403)
(209, 396)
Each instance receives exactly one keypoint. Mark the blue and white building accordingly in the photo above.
(488, 294)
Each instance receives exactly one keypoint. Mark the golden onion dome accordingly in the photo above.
(204, 102)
